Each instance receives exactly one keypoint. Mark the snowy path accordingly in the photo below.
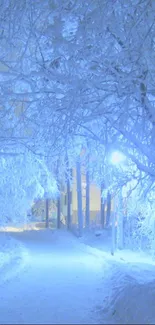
(61, 283)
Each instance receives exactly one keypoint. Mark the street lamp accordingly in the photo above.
(117, 158)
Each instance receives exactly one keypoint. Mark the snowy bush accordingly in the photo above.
(23, 178)
(140, 223)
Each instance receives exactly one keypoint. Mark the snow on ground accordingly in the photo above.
(13, 256)
(130, 296)
(59, 285)
(70, 280)
(129, 286)
(99, 243)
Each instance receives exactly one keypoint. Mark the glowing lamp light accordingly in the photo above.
(117, 157)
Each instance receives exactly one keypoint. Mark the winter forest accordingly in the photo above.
(76, 75)
(79, 76)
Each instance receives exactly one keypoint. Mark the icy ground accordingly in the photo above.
(64, 280)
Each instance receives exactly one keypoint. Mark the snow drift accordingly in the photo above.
(131, 297)
(13, 256)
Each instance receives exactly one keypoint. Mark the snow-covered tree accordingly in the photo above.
(23, 179)
(140, 221)
(75, 70)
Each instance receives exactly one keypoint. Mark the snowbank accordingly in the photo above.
(13, 256)
(130, 295)
(128, 288)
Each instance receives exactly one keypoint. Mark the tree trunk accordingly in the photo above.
(113, 234)
(47, 213)
(68, 204)
(58, 212)
(59, 197)
(102, 209)
(79, 198)
(68, 176)
(108, 209)
(87, 200)
(120, 226)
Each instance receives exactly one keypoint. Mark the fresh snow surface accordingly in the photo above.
(129, 285)
(13, 256)
(69, 280)
(58, 285)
